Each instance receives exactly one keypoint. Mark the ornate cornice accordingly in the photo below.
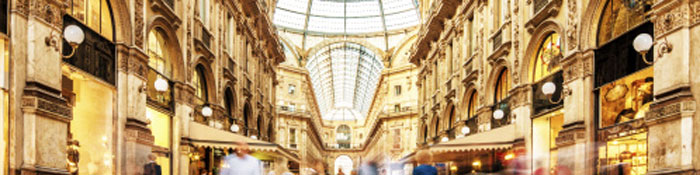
(45, 101)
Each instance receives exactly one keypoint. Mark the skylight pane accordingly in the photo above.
(394, 6)
(294, 5)
(365, 25)
(401, 20)
(288, 19)
(363, 9)
(327, 8)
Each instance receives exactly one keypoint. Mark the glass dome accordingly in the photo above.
(344, 77)
(346, 17)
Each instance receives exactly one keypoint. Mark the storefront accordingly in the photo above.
(210, 145)
(624, 80)
(89, 85)
(4, 85)
(485, 152)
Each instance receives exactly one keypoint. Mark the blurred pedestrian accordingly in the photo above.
(241, 163)
(151, 168)
(424, 158)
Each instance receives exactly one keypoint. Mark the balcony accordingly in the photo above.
(542, 9)
(202, 38)
(405, 110)
(291, 111)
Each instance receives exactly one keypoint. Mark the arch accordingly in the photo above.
(159, 22)
(200, 83)
(230, 102)
(208, 76)
(490, 87)
(502, 86)
(343, 136)
(343, 162)
(436, 124)
(406, 44)
(472, 103)
(319, 46)
(451, 114)
(121, 20)
(247, 112)
(103, 25)
(425, 132)
(543, 31)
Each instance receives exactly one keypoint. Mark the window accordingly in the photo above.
(397, 108)
(343, 163)
(229, 34)
(471, 108)
(549, 50)
(397, 90)
(229, 101)
(470, 36)
(3, 17)
(292, 107)
(292, 138)
(292, 88)
(502, 85)
(157, 53)
(96, 14)
(204, 11)
(497, 14)
(343, 136)
(200, 83)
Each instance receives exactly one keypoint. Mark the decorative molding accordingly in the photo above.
(572, 25)
(521, 96)
(671, 111)
(139, 23)
(549, 10)
(21, 7)
(670, 17)
(48, 11)
(571, 135)
(45, 101)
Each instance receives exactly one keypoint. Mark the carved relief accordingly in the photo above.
(670, 18)
(138, 23)
(22, 7)
(695, 12)
(46, 11)
(572, 25)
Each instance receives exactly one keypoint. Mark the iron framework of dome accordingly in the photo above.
(345, 17)
(344, 77)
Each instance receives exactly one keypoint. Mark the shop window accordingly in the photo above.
(96, 14)
(471, 109)
(3, 16)
(200, 83)
(502, 85)
(4, 99)
(549, 50)
(624, 155)
(626, 99)
(544, 133)
(161, 129)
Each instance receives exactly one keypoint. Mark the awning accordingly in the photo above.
(499, 138)
(204, 136)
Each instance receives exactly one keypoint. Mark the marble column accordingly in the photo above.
(39, 123)
(138, 139)
(672, 121)
(575, 141)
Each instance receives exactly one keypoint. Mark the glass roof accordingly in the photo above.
(346, 16)
(344, 77)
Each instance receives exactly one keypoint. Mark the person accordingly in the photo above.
(241, 163)
(340, 171)
(423, 157)
(151, 168)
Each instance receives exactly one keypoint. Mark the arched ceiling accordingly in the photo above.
(305, 22)
(344, 77)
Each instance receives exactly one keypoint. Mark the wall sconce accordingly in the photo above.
(73, 34)
(498, 114)
(254, 137)
(161, 85)
(643, 42)
(207, 111)
(466, 130)
(235, 128)
(548, 90)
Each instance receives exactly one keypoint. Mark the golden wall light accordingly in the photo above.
(498, 114)
(207, 111)
(466, 130)
(73, 34)
(549, 88)
(161, 85)
(642, 44)
(235, 128)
